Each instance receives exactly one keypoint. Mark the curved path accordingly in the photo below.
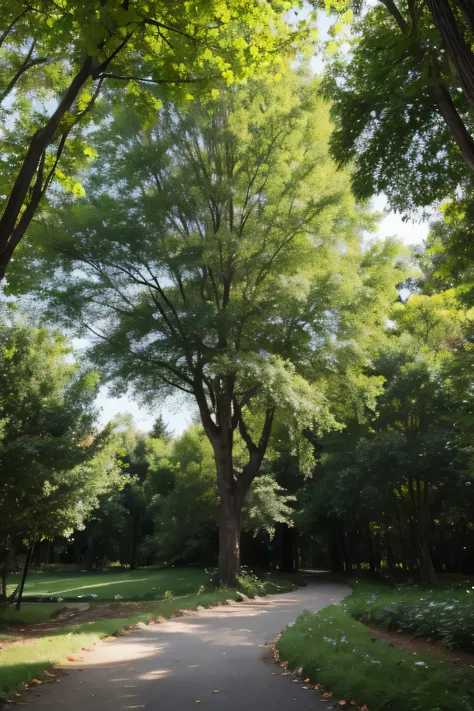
(173, 665)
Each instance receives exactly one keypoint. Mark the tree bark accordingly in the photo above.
(3, 578)
(229, 537)
(439, 91)
(12, 228)
(28, 558)
(457, 48)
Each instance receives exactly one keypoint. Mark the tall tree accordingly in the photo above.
(57, 58)
(54, 463)
(221, 256)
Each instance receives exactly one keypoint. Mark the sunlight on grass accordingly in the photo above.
(336, 651)
(443, 614)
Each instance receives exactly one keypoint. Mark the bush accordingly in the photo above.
(334, 650)
(444, 615)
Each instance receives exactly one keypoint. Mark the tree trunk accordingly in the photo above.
(134, 544)
(427, 572)
(90, 554)
(288, 557)
(229, 537)
(457, 48)
(28, 558)
(3, 578)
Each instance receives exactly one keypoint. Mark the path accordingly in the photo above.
(171, 666)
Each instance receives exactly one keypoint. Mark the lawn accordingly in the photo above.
(184, 588)
(106, 585)
(338, 652)
(444, 614)
(31, 613)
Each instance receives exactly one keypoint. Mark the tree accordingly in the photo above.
(221, 256)
(388, 489)
(184, 470)
(54, 462)
(160, 429)
(57, 59)
(400, 119)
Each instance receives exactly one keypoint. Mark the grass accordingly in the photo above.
(336, 651)
(22, 664)
(31, 613)
(105, 585)
(446, 614)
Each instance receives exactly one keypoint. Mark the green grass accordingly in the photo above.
(445, 614)
(21, 664)
(31, 613)
(336, 651)
(130, 584)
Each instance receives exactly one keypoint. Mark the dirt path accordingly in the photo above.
(419, 645)
(216, 658)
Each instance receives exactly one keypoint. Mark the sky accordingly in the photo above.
(179, 413)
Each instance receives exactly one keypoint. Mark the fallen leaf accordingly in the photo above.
(306, 680)
(35, 681)
(353, 703)
(300, 670)
(91, 694)
(75, 659)
(342, 702)
(198, 701)
(215, 691)
(328, 694)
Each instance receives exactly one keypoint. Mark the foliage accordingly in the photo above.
(58, 59)
(400, 119)
(446, 615)
(399, 480)
(337, 652)
(236, 286)
(184, 470)
(54, 462)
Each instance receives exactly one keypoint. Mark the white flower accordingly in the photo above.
(118, 597)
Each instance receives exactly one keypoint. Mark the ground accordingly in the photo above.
(221, 656)
(28, 650)
(388, 669)
(216, 658)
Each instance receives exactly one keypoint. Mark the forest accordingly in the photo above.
(187, 220)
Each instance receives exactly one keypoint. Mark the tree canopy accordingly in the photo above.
(400, 119)
(245, 277)
(58, 59)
